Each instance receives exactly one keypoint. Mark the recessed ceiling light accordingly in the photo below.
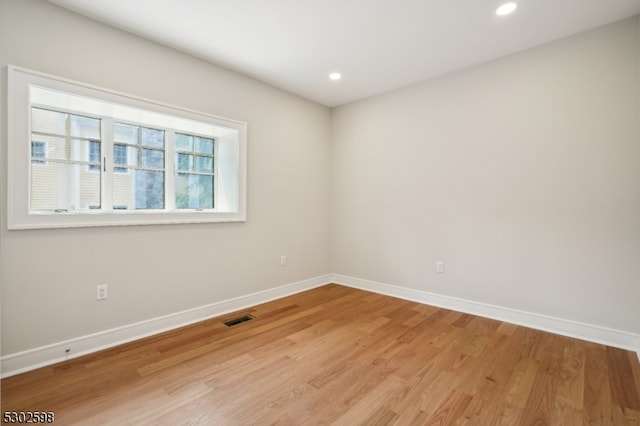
(335, 76)
(506, 8)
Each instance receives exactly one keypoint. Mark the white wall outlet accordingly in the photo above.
(283, 260)
(102, 292)
(440, 267)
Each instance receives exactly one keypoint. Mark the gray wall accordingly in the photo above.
(521, 174)
(49, 277)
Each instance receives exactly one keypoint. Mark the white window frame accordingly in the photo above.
(230, 190)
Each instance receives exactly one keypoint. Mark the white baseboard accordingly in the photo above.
(592, 333)
(46, 355)
(50, 354)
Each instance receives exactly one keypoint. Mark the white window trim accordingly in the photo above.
(19, 215)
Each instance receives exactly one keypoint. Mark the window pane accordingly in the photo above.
(204, 146)
(84, 127)
(134, 188)
(132, 156)
(204, 164)
(149, 190)
(120, 154)
(54, 146)
(46, 121)
(184, 142)
(153, 158)
(94, 151)
(64, 186)
(38, 152)
(125, 133)
(185, 162)
(120, 157)
(151, 137)
(123, 195)
(60, 148)
(194, 191)
(139, 189)
(94, 155)
(78, 150)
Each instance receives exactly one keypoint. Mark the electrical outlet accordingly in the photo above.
(283, 260)
(102, 292)
(440, 267)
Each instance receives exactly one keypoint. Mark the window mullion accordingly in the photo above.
(170, 170)
(107, 164)
(70, 150)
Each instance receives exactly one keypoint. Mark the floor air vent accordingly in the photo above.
(238, 320)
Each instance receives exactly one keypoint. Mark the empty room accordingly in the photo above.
(303, 212)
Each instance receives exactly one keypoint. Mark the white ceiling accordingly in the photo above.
(377, 45)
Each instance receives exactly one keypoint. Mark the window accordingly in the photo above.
(110, 159)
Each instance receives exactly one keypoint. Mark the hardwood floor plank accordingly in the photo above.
(463, 320)
(619, 363)
(569, 401)
(539, 405)
(452, 410)
(597, 394)
(518, 390)
(338, 355)
(374, 400)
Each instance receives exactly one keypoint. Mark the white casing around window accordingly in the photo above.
(231, 137)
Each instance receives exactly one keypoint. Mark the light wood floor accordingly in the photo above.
(336, 355)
